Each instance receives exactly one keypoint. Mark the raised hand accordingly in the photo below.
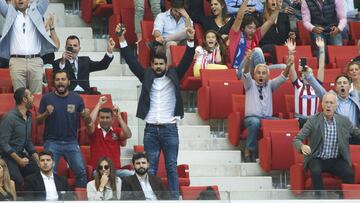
(102, 100)
(116, 110)
(111, 45)
(291, 45)
(118, 29)
(320, 42)
(190, 33)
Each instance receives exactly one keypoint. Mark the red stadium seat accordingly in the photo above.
(340, 52)
(101, 10)
(275, 146)
(5, 81)
(207, 8)
(279, 107)
(199, 33)
(189, 82)
(235, 119)
(214, 96)
(281, 53)
(351, 191)
(354, 31)
(341, 63)
(193, 192)
(304, 35)
(290, 105)
(183, 169)
(7, 103)
(144, 50)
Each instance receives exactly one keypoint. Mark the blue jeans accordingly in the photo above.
(253, 125)
(70, 150)
(166, 139)
(329, 40)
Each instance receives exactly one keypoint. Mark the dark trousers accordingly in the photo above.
(338, 167)
(17, 173)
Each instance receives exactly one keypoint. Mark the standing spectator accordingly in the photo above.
(326, 19)
(139, 13)
(293, 9)
(327, 149)
(60, 110)
(24, 40)
(211, 54)
(45, 184)
(105, 140)
(169, 27)
(258, 103)
(143, 185)
(278, 32)
(306, 101)
(106, 185)
(7, 186)
(244, 36)
(160, 105)
(16, 147)
(80, 67)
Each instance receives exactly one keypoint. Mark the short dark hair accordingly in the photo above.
(19, 94)
(139, 155)
(71, 37)
(342, 75)
(248, 19)
(61, 71)
(159, 55)
(106, 110)
(46, 152)
(177, 4)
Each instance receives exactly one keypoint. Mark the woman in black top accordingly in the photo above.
(278, 32)
(218, 20)
(7, 186)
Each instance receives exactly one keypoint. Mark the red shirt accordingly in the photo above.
(105, 146)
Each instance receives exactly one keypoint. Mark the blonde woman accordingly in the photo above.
(7, 186)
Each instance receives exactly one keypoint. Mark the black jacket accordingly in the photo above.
(131, 188)
(147, 76)
(85, 67)
(35, 188)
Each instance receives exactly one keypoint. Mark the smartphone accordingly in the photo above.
(303, 63)
(70, 49)
(122, 26)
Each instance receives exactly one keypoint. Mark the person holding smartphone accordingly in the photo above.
(80, 67)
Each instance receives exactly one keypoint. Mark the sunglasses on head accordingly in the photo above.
(104, 167)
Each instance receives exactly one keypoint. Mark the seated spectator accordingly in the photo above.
(80, 67)
(139, 13)
(244, 36)
(45, 185)
(254, 7)
(327, 20)
(278, 32)
(142, 185)
(219, 21)
(357, 59)
(169, 27)
(258, 103)
(347, 104)
(211, 54)
(7, 186)
(327, 148)
(16, 147)
(353, 71)
(104, 139)
(306, 101)
(106, 185)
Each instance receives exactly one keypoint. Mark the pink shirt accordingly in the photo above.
(340, 12)
(235, 37)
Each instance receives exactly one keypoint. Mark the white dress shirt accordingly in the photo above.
(50, 187)
(146, 187)
(24, 39)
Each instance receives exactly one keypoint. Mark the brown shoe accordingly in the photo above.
(247, 155)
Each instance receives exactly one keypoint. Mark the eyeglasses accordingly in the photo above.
(261, 97)
(104, 167)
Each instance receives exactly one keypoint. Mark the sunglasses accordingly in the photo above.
(260, 93)
(104, 167)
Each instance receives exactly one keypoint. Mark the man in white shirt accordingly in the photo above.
(150, 188)
(45, 185)
(160, 105)
(24, 40)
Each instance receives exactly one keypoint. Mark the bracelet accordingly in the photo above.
(52, 29)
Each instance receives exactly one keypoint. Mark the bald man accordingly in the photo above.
(327, 150)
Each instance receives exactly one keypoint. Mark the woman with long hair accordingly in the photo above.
(211, 54)
(7, 186)
(106, 186)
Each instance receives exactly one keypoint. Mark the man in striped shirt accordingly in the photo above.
(328, 144)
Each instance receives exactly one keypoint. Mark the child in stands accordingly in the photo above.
(211, 53)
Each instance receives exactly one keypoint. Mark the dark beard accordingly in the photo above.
(159, 75)
(65, 90)
(141, 171)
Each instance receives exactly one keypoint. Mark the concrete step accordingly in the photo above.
(114, 82)
(80, 32)
(58, 9)
(263, 183)
(225, 170)
(206, 157)
(192, 119)
(74, 21)
(273, 194)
